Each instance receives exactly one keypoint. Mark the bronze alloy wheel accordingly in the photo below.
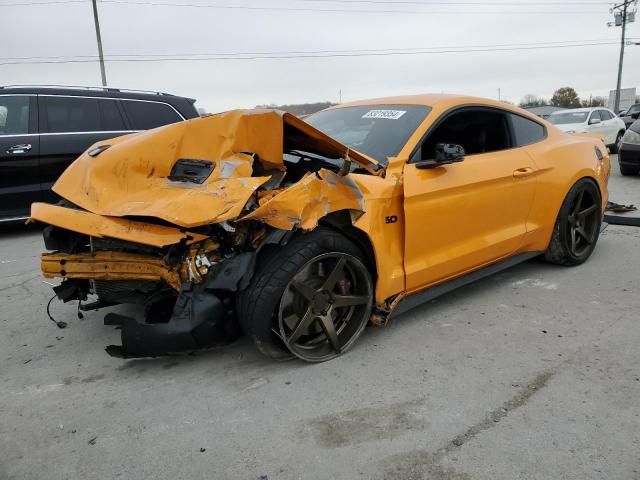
(325, 306)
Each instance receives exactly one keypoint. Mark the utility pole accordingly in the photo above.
(621, 18)
(99, 39)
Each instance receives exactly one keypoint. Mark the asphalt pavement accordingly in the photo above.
(531, 374)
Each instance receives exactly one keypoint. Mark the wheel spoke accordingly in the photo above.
(573, 239)
(583, 234)
(579, 202)
(302, 326)
(349, 300)
(587, 211)
(335, 274)
(303, 289)
(330, 331)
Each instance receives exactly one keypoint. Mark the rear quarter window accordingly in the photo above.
(526, 131)
(147, 115)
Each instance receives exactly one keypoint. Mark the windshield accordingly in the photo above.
(633, 109)
(568, 117)
(379, 131)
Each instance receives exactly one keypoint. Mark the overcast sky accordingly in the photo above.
(66, 29)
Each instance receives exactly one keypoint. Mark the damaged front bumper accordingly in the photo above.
(187, 290)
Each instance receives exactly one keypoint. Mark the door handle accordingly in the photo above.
(523, 172)
(21, 148)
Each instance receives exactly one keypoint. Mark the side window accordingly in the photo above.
(526, 131)
(478, 131)
(69, 114)
(111, 118)
(146, 115)
(14, 115)
(605, 115)
(594, 115)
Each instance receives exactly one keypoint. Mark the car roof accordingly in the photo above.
(580, 110)
(439, 101)
(74, 90)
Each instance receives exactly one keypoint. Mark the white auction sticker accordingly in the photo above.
(389, 114)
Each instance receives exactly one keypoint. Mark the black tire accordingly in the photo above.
(568, 245)
(615, 148)
(259, 305)
(628, 171)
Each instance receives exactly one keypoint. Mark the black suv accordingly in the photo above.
(44, 128)
(631, 115)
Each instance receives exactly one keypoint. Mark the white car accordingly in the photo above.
(591, 120)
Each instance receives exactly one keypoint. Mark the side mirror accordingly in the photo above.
(635, 115)
(594, 121)
(446, 153)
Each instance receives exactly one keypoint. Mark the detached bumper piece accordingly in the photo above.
(179, 317)
(199, 320)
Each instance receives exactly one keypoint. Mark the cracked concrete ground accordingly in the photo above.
(531, 374)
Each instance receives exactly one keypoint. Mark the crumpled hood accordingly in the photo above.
(245, 148)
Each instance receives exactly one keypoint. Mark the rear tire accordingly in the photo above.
(294, 303)
(577, 227)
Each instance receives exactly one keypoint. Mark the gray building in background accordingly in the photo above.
(544, 111)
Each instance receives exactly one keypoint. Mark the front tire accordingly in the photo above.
(615, 148)
(312, 298)
(577, 227)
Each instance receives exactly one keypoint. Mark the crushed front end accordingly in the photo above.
(174, 219)
(185, 291)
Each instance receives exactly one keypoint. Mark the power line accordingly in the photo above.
(330, 10)
(584, 42)
(393, 2)
(275, 55)
(333, 10)
(48, 2)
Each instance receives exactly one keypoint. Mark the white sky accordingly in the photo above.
(67, 29)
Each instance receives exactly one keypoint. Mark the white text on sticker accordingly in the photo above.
(389, 114)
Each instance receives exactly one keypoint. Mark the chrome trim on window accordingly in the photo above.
(69, 133)
(113, 98)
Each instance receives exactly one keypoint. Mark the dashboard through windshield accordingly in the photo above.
(379, 131)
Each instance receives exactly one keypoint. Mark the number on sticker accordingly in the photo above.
(388, 114)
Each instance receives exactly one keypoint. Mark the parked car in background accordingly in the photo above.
(629, 155)
(631, 115)
(44, 128)
(591, 120)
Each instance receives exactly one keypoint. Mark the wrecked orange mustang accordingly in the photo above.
(299, 233)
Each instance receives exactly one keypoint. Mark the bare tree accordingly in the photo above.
(531, 100)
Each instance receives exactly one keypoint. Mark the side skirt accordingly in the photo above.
(423, 296)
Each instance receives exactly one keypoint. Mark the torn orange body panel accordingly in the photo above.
(108, 266)
(131, 177)
(101, 226)
(312, 198)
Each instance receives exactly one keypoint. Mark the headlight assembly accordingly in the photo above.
(631, 137)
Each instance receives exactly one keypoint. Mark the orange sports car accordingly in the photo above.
(300, 233)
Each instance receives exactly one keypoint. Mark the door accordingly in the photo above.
(19, 150)
(611, 127)
(596, 124)
(70, 125)
(461, 216)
